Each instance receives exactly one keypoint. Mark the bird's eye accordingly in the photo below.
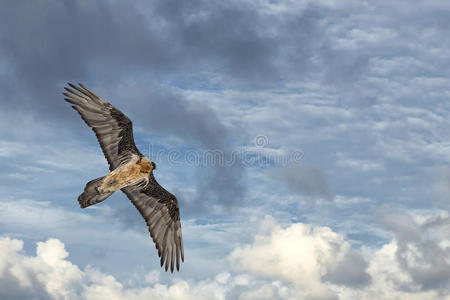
(153, 166)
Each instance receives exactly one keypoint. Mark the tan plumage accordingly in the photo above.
(131, 172)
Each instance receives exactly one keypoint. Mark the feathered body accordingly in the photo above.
(131, 172)
(136, 170)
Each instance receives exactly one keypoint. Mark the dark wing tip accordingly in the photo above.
(69, 90)
(71, 85)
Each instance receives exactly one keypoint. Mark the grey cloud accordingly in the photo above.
(197, 123)
(98, 252)
(56, 42)
(170, 112)
(428, 264)
(437, 221)
(305, 180)
(351, 271)
(242, 42)
(344, 67)
(441, 186)
(103, 43)
(111, 41)
(222, 184)
(12, 289)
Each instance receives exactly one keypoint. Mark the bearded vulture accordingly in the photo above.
(130, 171)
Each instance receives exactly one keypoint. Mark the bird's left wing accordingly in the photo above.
(113, 129)
(160, 210)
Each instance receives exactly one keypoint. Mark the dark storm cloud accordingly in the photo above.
(45, 44)
(49, 43)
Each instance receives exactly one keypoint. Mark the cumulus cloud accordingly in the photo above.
(44, 276)
(300, 255)
(320, 264)
(350, 271)
(424, 257)
(49, 275)
(290, 262)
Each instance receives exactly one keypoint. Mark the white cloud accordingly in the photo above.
(320, 264)
(49, 275)
(299, 255)
(360, 165)
(298, 261)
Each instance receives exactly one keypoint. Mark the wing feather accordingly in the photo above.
(160, 210)
(113, 129)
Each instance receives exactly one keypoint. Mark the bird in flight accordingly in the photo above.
(130, 171)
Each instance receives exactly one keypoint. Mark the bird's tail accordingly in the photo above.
(92, 194)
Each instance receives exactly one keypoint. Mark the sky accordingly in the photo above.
(307, 143)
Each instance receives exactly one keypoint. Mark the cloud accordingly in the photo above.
(441, 186)
(425, 259)
(367, 79)
(321, 264)
(49, 275)
(305, 180)
(300, 255)
(151, 39)
(305, 55)
(350, 271)
(297, 260)
(45, 276)
(197, 123)
(108, 51)
(360, 165)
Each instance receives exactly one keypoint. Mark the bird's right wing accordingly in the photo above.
(113, 129)
(160, 210)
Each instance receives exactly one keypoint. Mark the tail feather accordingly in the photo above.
(91, 194)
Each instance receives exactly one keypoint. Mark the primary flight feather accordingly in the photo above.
(131, 172)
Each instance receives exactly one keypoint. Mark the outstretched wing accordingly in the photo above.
(160, 210)
(113, 129)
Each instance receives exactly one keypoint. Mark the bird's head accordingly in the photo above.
(146, 165)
